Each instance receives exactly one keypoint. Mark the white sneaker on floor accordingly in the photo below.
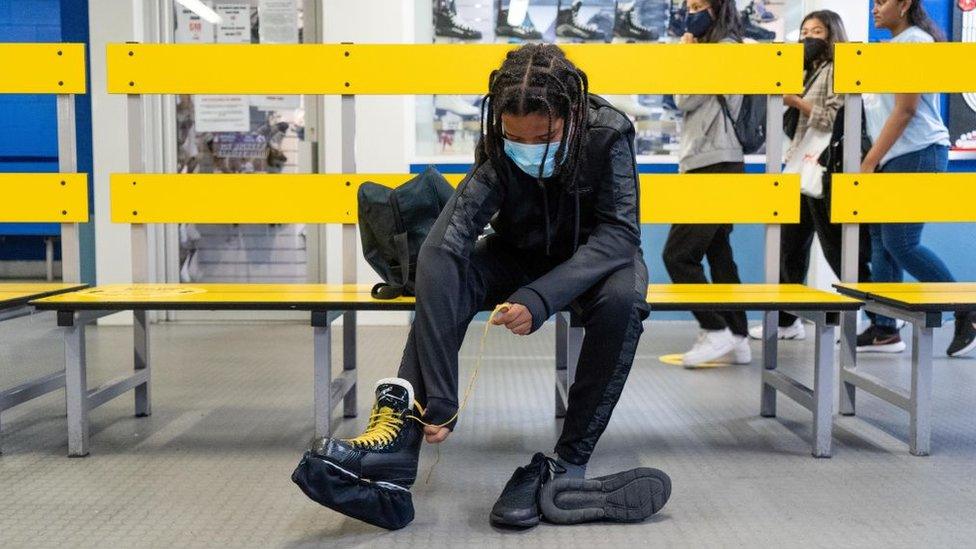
(793, 331)
(711, 345)
(742, 352)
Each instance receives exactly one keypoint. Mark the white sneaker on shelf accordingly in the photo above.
(711, 345)
(793, 331)
(742, 352)
(629, 105)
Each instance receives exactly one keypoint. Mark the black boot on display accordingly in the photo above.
(369, 477)
(525, 31)
(568, 24)
(751, 30)
(630, 496)
(447, 24)
(626, 25)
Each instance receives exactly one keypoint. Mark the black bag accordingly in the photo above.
(394, 223)
(750, 125)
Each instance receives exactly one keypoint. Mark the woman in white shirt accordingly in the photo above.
(908, 136)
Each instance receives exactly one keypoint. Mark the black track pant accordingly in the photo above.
(610, 312)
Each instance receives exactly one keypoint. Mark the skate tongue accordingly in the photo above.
(393, 395)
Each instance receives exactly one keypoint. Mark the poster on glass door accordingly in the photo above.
(962, 106)
(448, 125)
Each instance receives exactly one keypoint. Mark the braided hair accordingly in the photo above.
(536, 79)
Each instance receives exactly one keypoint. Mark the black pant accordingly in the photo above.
(688, 245)
(797, 239)
(611, 313)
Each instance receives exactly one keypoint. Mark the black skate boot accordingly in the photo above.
(627, 26)
(525, 31)
(369, 477)
(568, 24)
(447, 24)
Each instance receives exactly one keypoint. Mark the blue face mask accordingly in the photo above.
(698, 23)
(529, 157)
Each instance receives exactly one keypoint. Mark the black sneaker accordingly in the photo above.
(878, 340)
(630, 496)
(568, 25)
(525, 31)
(447, 24)
(626, 25)
(964, 340)
(388, 450)
(518, 505)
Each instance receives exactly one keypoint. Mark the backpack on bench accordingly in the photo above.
(393, 224)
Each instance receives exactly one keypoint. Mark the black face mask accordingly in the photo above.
(813, 50)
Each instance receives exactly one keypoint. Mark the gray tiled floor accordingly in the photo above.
(232, 411)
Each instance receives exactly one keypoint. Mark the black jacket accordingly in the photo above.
(583, 241)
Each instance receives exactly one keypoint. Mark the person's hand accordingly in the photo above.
(435, 435)
(688, 38)
(869, 165)
(514, 316)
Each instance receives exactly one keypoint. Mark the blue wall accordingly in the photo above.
(28, 142)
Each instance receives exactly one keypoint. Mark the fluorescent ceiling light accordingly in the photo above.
(201, 9)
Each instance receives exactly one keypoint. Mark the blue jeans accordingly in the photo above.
(896, 247)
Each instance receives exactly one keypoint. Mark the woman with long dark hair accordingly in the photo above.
(555, 176)
(709, 145)
(817, 108)
(908, 136)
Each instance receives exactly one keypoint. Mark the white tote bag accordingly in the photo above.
(804, 160)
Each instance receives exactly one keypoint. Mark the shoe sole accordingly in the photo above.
(498, 520)
(964, 351)
(890, 348)
(631, 496)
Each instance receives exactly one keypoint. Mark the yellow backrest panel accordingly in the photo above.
(42, 68)
(903, 198)
(720, 198)
(942, 67)
(331, 198)
(43, 198)
(405, 69)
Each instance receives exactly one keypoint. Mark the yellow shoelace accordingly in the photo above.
(474, 374)
(383, 427)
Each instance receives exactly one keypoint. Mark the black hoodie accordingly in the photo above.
(586, 231)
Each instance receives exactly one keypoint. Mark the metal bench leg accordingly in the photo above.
(823, 389)
(767, 407)
(76, 389)
(569, 341)
(562, 386)
(349, 361)
(920, 425)
(848, 360)
(141, 361)
(322, 343)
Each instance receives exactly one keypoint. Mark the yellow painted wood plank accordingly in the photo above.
(17, 293)
(903, 198)
(42, 68)
(720, 198)
(331, 198)
(911, 287)
(943, 67)
(43, 198)
(404, 69)
(676, 294)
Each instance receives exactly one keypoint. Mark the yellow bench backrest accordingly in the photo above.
(405, 69)
(331, 198)
(42, 68)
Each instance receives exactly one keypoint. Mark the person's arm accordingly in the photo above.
(613, 244)
(823, 111)
(906, 104)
